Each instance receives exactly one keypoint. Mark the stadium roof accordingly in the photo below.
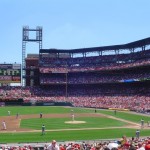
(131, 45)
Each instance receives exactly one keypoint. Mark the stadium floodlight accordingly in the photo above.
(26, 37)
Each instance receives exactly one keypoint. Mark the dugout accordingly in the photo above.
(53, 104)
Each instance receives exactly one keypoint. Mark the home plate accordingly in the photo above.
(75, 122)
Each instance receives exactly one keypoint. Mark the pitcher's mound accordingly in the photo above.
(75, 122)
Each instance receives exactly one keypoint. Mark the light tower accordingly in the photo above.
(26, 38)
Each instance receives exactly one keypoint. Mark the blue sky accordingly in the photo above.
(70, 24)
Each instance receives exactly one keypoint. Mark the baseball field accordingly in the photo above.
(87, 124)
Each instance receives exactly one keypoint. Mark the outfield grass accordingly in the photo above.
(126, 115)
(24, 110)
(58, 123)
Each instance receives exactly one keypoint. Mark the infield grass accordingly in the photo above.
(59, 123)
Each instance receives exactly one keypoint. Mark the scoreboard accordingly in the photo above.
(10, 73)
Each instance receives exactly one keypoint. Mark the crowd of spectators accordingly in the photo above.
(14, 92)
(135, 103)
(94, 63)
(88, 78)
(123, 143)
(90, 71)
(50, 60)
(124, 97)
(93, 67)
(65, 80)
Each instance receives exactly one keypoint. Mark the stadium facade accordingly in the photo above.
(114, 76)
(90, 76)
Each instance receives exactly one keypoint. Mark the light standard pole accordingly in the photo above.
(66, 85)
(66, 80)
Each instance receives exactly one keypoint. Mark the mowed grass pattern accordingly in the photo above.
(130, 116)
(89, 134)
(59, 123)
(24, 110)
(69, 135)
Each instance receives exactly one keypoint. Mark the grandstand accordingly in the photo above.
(108, 77)
(114, 77)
